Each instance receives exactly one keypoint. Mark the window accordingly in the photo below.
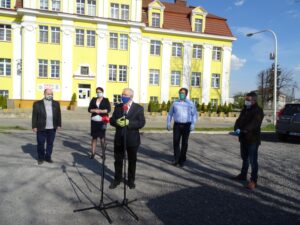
(195, 101)
(114, 11)
(197, 51)
(55, 68)
(117, 99)
(154, 98)
(55, 35)
(84, 70)
(5, 32)
(216, 54)
(56, 5)
(44, 34)
(112, 73)
(154, 77)
(4, 93)
(5, 3)
(113, 43)
(198, 25)
(122, 73)
(155, 20)
(124, 12)
(195, 79)
(44, 4)
(177, 49)
(43, 68)
(175, 78)
(214, 102)
(80, 6)
(91, 7)
(155, 48)
(91, 38)
(5, 67)
(215, 81)
(80, 37)
(123, 41)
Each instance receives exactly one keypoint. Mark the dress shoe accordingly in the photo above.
(40, 162)
(131, 185)
(92, 156)
(114, 184)
(49, 160)
(174, 163)
(252, 185)
(239, 177)
(181, 164)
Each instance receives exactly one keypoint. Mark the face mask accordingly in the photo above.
(182, 96)
(248, 104)
(100, 94)
(125, 99)
(49, 97)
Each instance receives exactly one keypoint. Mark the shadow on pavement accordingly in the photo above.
(31, 150)
(210, 206)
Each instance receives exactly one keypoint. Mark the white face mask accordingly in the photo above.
(100, 94)
(248, 103)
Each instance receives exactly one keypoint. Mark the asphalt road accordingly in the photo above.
(199, 193)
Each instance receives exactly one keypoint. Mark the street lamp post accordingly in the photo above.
(275, 71)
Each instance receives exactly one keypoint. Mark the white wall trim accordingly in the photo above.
(17, 61)
(144, 73)
(187, 62)
(206, 80)
(165, 72)
(226, 74)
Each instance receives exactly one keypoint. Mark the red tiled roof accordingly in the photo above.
(177, 17)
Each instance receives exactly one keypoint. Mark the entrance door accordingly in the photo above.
(84, 95)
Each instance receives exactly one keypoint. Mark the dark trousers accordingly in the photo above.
(119, 156)
(46, 136)
(249, 155)
(180, 131)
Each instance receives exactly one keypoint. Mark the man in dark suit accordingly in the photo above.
(128, 117)
(46, 119)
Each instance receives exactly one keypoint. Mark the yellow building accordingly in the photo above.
(75, 46)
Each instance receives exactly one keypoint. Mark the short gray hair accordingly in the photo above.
(130, 91)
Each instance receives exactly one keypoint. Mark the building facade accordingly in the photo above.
(75, 46)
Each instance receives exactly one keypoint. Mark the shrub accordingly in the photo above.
(3, 102)
(168, 106)
(214, 108)
(163, 106)
(208, 107)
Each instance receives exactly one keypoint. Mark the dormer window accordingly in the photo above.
(44, 4)
(198, 25)
(155, 20)
(5, 3)
(198, 18)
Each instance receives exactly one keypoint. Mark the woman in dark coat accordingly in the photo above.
(99, 108)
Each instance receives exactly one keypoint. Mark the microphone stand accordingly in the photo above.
(101, 207)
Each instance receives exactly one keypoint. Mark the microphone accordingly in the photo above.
(125, 109)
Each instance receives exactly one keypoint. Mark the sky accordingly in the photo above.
(250, 55)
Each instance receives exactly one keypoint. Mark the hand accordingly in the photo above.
(192, 127)
(168, 127)
(34, 130)
(237, 132)
(122, 122)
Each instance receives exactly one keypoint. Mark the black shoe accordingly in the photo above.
(181, 164)
(114, 184)
(239, 178)
(174, 163)
(40, 162)
(49, 160)
(131, 185)
(92, 156)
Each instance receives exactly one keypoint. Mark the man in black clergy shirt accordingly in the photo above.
(127, 117)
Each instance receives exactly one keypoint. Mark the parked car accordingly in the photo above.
(288, 121)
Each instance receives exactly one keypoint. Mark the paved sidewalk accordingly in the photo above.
(199, 193)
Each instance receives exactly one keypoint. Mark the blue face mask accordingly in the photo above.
(182, 96)
(125, 99)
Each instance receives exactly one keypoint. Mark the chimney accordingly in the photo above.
(180, 2)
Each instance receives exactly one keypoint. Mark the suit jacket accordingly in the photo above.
(137, 121)
(103, 105)
(249, 122)
(39, 115)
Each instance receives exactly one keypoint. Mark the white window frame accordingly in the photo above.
(4, 93)
(91, 40)
(5, 32)
(117, 99)
(155, 47)
(155, 19)
(215, 80)
(197, 51)
(80, 7)
(217, 53)
(124, 41)
(43, 68)
(214, 102)
(195, 101)
(55, 35)
(122, 73)
(176, 49)
(5, 67)
(175, 78)
(91, 7)
(56, 5)
(124, 12)
(55, 68)
(154, 98)
(154, 77)
(80, 37)
(196, 79)
(198, 25)
(44, 4)
(44, 35)
(85, 70)
(113, 41)
(114, 10)
(112, 73)
(5, 3)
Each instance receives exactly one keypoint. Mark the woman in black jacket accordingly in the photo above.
(99, 107)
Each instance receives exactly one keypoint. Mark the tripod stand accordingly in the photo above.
(101, 207)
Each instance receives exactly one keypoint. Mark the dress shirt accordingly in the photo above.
(183, 111)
